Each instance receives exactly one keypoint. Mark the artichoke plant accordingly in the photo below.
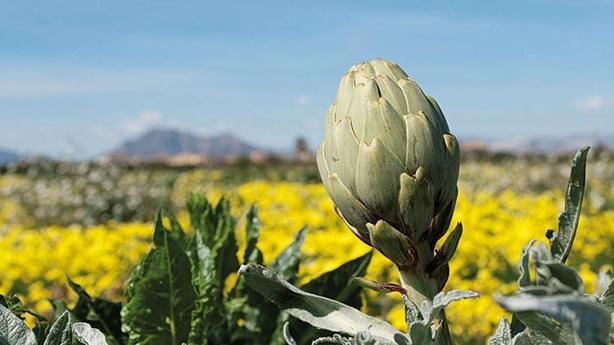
(390, 165)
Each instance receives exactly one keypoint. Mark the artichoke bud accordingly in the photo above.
(388, 161)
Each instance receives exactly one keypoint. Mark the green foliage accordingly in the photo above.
(319, 311)
(88, 335)
(60, 332)
(503, 335)
(426, 322)
(13, 331)
(553, 308)
(99, 313)
(178, 294)
(160, 296)
(561, 241)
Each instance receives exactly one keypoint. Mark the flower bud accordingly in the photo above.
(389, 162)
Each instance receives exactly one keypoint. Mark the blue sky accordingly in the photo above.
(78, 77)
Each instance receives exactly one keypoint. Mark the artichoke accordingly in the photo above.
(390, 165)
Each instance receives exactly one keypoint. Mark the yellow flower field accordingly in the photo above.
(34, 262)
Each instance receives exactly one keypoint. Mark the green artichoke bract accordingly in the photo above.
(390, 165)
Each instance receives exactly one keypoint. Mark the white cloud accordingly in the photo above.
(592, 104)
(303, 100)
(141, 122)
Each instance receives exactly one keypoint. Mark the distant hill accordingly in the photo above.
(162, 143)
(7, 156)
(540, 144)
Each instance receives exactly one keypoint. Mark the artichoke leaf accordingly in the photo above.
(416, 100)
(345, 95)
(393, 244)
(391, 91)
(353, 211)
(422, 150)
(415, 203)
(442, 119)
(377, 179)
(347, 148)
(320, 312)
(389, 69)
(388, 125)
(452, 167)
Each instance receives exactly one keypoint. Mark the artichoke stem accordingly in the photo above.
(419, 289)
(415, 279)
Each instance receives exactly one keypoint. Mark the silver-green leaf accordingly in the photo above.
(503, 335)
(60, 332)
(562, 241)
(13, 331)
(588, 319)
(320, 312)
(88, 335)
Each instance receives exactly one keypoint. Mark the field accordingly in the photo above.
(93, 222)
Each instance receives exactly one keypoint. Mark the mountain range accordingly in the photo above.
(7, 156)
(161, 143)
(182, 146)
(540, 144)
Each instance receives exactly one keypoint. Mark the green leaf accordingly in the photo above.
(523, 266)
(13, 331)
(13, 303)
(252, 231)
(208, 315)
(216, 226)
(257, 315)
(607, 299)
(198, 210)
(288, 336)
(540, 253)
(100, 313)
(548, 328)
(287, 262)
(87, 335)
(175, 231)
(379, 286)
(562, 273)
(60, 332)
(362, 338)
(420, 333)
(286, 265)
(503, 335)
(213, 253)
(160, 296)
(337, 285)
(318, 311)
(412, 313)
(335, 339)
(365, 338)
(589, 320)
(533, 339)
(442, 299)
(447, 249)
(225, 240)
(562, 241)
